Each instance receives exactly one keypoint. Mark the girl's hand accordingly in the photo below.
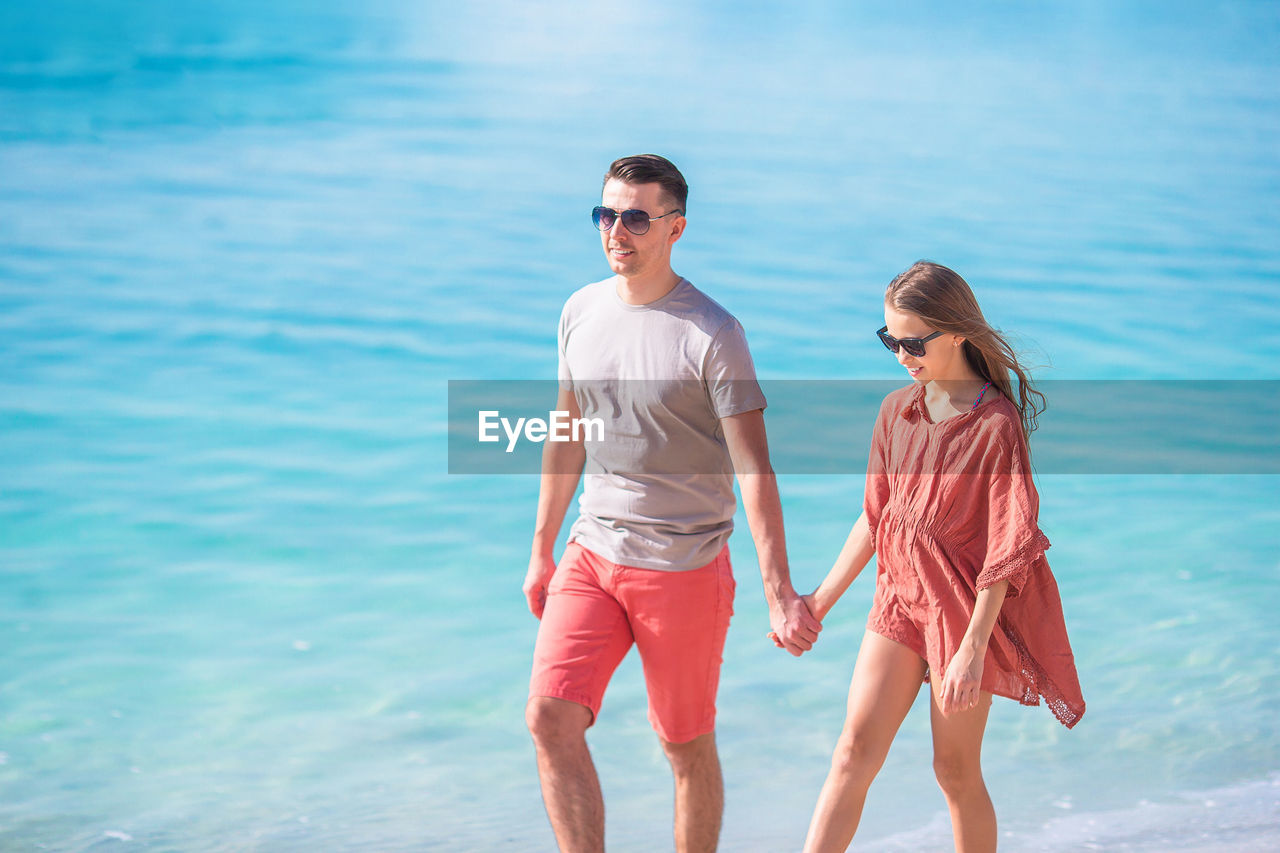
(813, 608)
(962, 684)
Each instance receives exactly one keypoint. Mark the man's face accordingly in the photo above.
(636, 255)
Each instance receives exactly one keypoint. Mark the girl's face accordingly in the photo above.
(943, 356)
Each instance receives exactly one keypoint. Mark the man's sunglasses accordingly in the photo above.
(913, 346)
(635, 221)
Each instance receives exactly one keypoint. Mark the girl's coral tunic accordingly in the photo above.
(952, 510)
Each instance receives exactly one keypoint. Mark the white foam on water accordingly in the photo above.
(1244, 817)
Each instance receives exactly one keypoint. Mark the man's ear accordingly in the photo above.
(677, 228)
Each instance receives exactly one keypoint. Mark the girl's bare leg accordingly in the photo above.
(886, 679)
(957, 762)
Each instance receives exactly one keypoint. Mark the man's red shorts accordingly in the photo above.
(678, 620)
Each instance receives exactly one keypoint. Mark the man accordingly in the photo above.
(647, 562)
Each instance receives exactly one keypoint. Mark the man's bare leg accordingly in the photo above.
(570, 787)
(699, 793)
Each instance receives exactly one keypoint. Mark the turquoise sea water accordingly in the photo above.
(243, 250)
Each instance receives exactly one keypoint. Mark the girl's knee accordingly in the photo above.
(957, 773)
(858, 756)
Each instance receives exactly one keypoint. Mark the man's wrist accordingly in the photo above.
(779, 591)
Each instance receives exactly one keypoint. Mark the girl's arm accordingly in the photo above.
(853, 558)
(963, 680)
(985, 611)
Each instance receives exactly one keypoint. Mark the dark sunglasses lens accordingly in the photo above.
(636, 221)
(889, 343)
(602, 217)
(913, 347)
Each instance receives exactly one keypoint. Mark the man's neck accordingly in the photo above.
(642, 291)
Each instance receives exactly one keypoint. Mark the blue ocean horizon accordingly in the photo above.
(245, 249)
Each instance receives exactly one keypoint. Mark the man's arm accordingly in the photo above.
(789, 617)
(562, 463)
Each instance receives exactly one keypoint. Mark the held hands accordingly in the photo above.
(795, 628)
(961, 687)
(541, 568)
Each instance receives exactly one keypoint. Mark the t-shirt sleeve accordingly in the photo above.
(729, 373)
(1014, 539)
(562, 362)
(876, 492)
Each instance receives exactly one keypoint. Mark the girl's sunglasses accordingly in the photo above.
(913, 346)
(635, 221)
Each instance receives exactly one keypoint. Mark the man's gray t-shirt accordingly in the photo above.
(658, 490)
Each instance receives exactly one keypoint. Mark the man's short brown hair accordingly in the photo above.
(651, 169)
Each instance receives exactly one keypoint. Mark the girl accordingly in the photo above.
(964, 598)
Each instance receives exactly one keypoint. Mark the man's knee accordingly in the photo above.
(554, 721)
(692, 756)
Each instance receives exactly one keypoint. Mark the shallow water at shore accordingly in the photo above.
(243, 605)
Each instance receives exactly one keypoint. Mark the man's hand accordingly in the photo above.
(541, 568)
(813, 608)
(794, 626)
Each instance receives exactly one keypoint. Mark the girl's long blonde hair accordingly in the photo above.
(944, 300)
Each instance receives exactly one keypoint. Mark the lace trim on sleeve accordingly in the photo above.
(1016, 566)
